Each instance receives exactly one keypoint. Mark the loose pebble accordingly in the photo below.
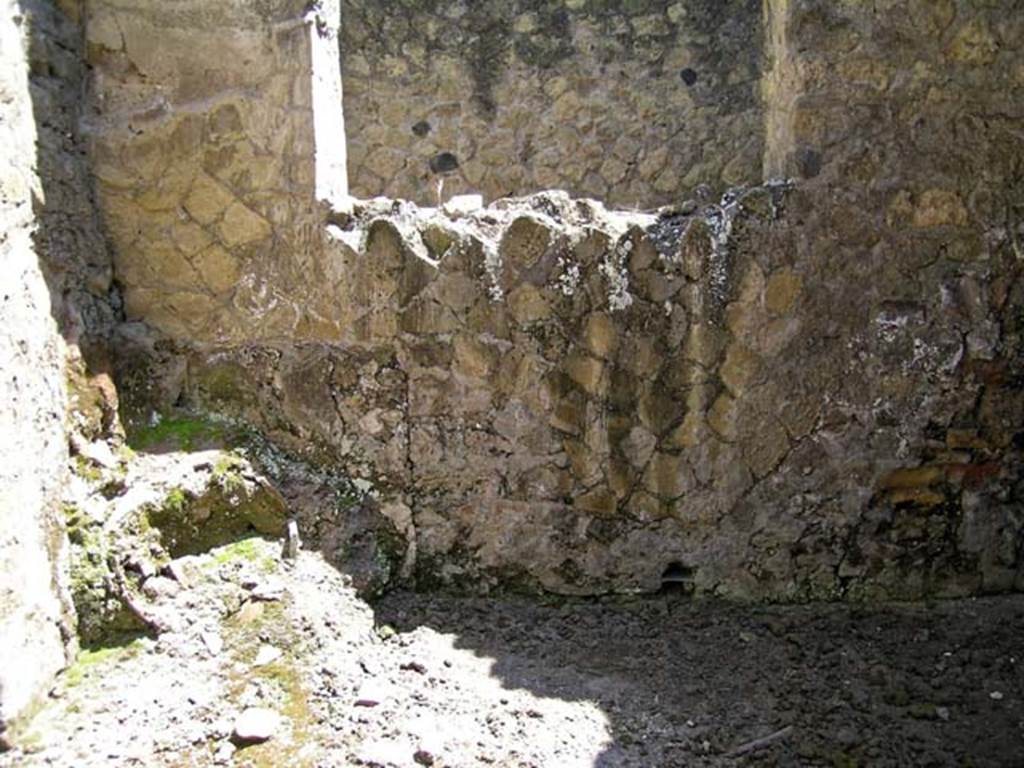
(255, 725)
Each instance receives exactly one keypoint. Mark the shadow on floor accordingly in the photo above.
(686, 683)
(691, 683)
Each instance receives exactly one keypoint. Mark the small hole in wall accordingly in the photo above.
(445, 162)
(689, 76)
(677, 579)
(421, 129)
(809, 162)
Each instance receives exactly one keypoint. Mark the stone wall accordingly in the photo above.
(812, 393)
(632, 103)
(555, 395)
(34, 620)
(60, 308)
(549, 391)
(799, 391)
(904, 115)
(203, 146)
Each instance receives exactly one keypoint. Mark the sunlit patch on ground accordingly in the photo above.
(445, 681)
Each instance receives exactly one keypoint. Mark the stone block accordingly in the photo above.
(766, 447)
(781, 291)
(527, 304)
(207, 199)
(938, 208)
(913, 477)
(723, 416)
(473, 358)
(190, 238)
(974, 44)
(241, 225)
(669, 476)
(588, 373)
(568, 416)
(524, 242)
(168, 267)
(600, 335)
(218, 268)
(599, 502)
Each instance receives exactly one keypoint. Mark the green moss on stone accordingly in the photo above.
(101, 613)
(288, 693)
(227, 471)
(176, 501)
(253, 549)
(223, 382)
(186, 433)
(226, 512)
(87, 470)
(93, 658)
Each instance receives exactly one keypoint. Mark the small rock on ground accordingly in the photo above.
(255, 725)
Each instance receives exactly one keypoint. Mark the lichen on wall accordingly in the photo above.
(670, 403)
(904, 117)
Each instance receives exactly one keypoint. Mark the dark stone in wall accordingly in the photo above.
(445, 162)
(809, 162)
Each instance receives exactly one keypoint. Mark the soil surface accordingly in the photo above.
(681, 683)
(448, 681)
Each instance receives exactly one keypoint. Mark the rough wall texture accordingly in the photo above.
(785, 395)
(633, 103)
(577, 400)
(566, 398)
(905, 116)
(58, 312)
(203, 148)
(34, 621)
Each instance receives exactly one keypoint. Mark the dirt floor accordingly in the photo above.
(447, 681)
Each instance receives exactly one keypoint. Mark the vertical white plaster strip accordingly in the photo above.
(328, 114)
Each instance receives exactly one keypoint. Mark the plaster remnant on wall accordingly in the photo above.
(324, 20)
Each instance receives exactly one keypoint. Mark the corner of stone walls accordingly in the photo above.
(201, 129)
(795, 401)
(807, 405)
